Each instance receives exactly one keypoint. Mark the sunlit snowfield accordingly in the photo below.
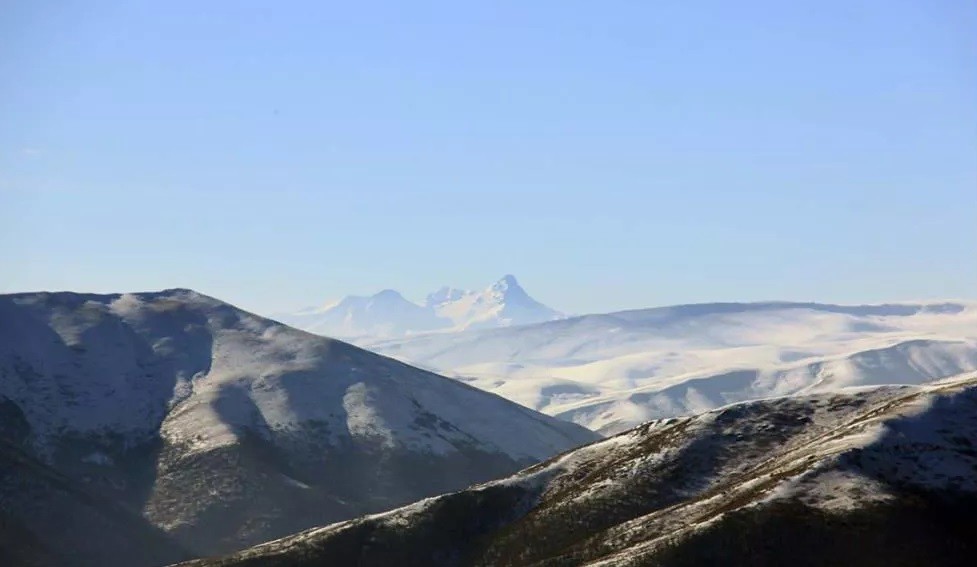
(612, 371)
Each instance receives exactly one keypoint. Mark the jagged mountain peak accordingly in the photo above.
(508, 289)
(388, 314)
(444, 294)
(511, 288)
(506, 282)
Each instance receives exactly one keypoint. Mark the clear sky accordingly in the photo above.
(610, 154)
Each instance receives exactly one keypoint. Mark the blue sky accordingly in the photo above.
(610, 154)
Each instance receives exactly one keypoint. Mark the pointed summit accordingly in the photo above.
(388, 295)
(387, 314)
(502, 304)
(508, 290)
(509, 280)
(507, 283)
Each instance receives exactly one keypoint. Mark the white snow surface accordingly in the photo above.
(388, 314)
(610, 372)
(199, 372)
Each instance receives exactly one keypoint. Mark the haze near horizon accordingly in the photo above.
(612, 156)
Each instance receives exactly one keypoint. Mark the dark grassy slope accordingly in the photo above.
(920, 529)
(49, 520)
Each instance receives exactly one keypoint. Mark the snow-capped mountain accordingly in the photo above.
(503, 304)
(223, 429)
(388, 315)
(384, 314)
(875, 476)
(613, 371)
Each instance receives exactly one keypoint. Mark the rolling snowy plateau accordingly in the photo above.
(218, 429)
(610, 372)
(876, 476)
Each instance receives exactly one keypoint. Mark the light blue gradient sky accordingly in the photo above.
(610, 154)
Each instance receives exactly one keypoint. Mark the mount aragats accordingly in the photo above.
(141, 429)
(388, 314)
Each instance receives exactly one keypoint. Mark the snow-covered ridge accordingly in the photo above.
(131, 364)
(204, 417)
(388, 314)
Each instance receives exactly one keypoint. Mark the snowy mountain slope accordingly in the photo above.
(225, 429)
(874, 476)
(388, 315)
(613, 371)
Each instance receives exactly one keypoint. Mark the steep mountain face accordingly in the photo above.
(224, 429)
(387, 314)
(881, 476)
(444, 296)
(610, 372)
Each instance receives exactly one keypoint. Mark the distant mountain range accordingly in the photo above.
(878, 477)
(612, 371)
(140, 429)
(387, 314)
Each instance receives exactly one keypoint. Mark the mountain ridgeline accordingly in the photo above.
(153, 427)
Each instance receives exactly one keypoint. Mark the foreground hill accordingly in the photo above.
(883, 476)
(224, 429)
(611, 371)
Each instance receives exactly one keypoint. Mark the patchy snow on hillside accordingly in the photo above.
(226, 429)
(203, 372)
(817, 458)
